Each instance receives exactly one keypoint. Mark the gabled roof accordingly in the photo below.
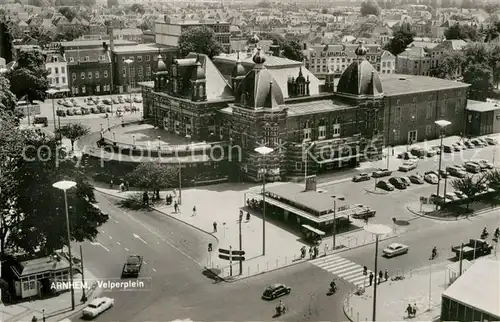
(216, 85)
(94, 55)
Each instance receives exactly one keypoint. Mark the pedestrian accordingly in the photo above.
(145, 199)
(176, 206)
(316, 251)
(311, 252)
(409, 310)
(386, 274)
(34, 319)
(371, 278)
(414, 311)
(365, 270)
(215, 226)
(248, 216)
(194, 210)
(111, 184)
(122, 187)
(380, 275)
(127, 186)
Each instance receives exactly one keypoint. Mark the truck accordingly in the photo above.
(474, 248)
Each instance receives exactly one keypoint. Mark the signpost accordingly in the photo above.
(232, 255)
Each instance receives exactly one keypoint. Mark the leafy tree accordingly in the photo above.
(369, 7)
(153, 176)
(402, 37)
(73, 132)
(71, 33)
(40, 36)
(491, 7)
(463, 32)
(7, 98)
(493, 179)
(469, 186)
(480, 77)
(199, 40)
(138, 8)
(276, 38)
(324, 11)
(67, 12)
(112, 3)
(6, 41)
(292, 50)
(29, 77)
(449, 66)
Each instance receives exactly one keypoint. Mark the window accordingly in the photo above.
(71, 59)
(87, 58)
(307, 130)
(443, 109)
(147, 57)
(124, 70)
(428, 130)
(457, 109)
(428, 111)
(139, 58)
(63, 80)
(105, 74)
(56, 70)
(49, 70)
(73, 76)
(98, 88)
(336, 128)
(148, 70)
(395, 135)
(57, 80)
(298, 165)
(82, 75)
(321, 132)
(102, 57)
(63, 70)
(139, 71)
(97, 74)
(83, 89)
(90, 75)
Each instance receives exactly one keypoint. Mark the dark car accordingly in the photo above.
(61, 113)
(361, 177)
(276, 290)
(385, 185)
(94, 110)
(381, 173)
(416, 178)
(132, 266)
(398, 183)
(448, 149)
(41, 120)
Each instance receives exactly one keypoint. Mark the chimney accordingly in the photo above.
(111, 39)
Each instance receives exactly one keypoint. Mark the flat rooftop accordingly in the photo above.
(478, 287)
(399, 84)
(295, 193)
(478, 106)
(142, 48)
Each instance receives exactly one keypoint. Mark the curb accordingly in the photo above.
(382, 193)
(62, 316)
(474, 214)
(163, 213)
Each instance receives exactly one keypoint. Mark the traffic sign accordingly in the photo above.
(225, 257)
(224, 251)
(238, 258)
(238, 252)
(209, 247)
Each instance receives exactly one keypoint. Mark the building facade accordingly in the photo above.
(168, 31)
(414, 61)
(58, 70)
(89, 71)
(285, 107)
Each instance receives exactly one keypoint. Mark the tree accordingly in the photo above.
(450, 65)
(153, 176)
(67, 12)
(73, 132)
(199, 40)
(71, 33)
(7, 98)
(369, 7)
(402, 37)
(29, 77)
(292, 50)
(324, 11)
(480, 78)
(138, 8)
(491, 7)
(468, 186)
(463, 32)
(32, 211)
(276, 38)
(493, 179)
(112, 3)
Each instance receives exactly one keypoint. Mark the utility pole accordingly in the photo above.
(230, 261)
(461, 258)
(84, 298)
(241, 244)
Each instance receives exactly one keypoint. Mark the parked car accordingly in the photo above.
(435, 198)
(381, 173)
(94, 110)
(60, 102)
(478, 143)
(276, 290)
(406, 180)
(115, 101)
(68, 104)
(120, 100)
(451, 196)
(108, 109)
(461, 145)
(431, 178)
(90, 102)
(106, 101)
(461, 195)
(436, 148)
(398, 183)
(41, 120)
(395, 249)
(85, 110)
(456, 147)
(416, 178)
(431, 152)
(137, 99)
(418, 152)
(69, 112)
(407, 156)
(456, 172)
(101, 108)
(385, 185)
(485, 165)
(61, 113)
(128, 100)
(491, 140)
(132, 266)
(472, 167)
(469, 145)
(448, 149)
(127, 108)
(408, 166)
(77, 111)
(98, 306)
(361, 177)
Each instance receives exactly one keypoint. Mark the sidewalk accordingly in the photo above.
(222, 204)
(54, 308)
(394, 296)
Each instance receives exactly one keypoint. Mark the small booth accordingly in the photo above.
(312, 234)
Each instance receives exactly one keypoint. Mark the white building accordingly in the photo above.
(387, 63)
(58, 68)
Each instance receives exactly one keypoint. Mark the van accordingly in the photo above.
(41, 120)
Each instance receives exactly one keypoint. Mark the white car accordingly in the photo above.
(98, 306)
(408, 166)
(431, 178)
(451, 196)
(490, 140)
(395, 249)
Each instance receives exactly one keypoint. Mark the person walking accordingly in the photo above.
(145, 199)
(176, 207)
(215, 226)
(380, 275)
(248, 216)
(371, 278)
(414, 311)
(310, 252)
(386, 274)
(194, 210)
(409, 310)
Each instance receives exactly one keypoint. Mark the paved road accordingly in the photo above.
(171, 252)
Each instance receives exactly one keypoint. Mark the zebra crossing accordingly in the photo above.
(343, 268)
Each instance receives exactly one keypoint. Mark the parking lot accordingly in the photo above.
(98, 105)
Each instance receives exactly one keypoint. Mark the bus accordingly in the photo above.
(24, 108)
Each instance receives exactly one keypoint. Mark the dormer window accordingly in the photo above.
(54, 59)
(301, 89)
(307, 130)
(102, 57)
(71, 59)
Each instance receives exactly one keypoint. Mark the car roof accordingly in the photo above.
(274, 286)
(98, 300)
(395, 245)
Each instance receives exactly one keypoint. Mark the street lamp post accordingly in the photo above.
(304, 143)
(64, 186)
(179, 201)
(52, 92)
(129, 62)
(335, 198)
(263, 151)
(377, 230)
(442, 124)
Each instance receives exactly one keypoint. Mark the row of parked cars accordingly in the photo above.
(94, 110)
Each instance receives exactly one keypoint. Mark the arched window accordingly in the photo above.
(201, 91)
(307, 130)
(321, 129)
(336, 127)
